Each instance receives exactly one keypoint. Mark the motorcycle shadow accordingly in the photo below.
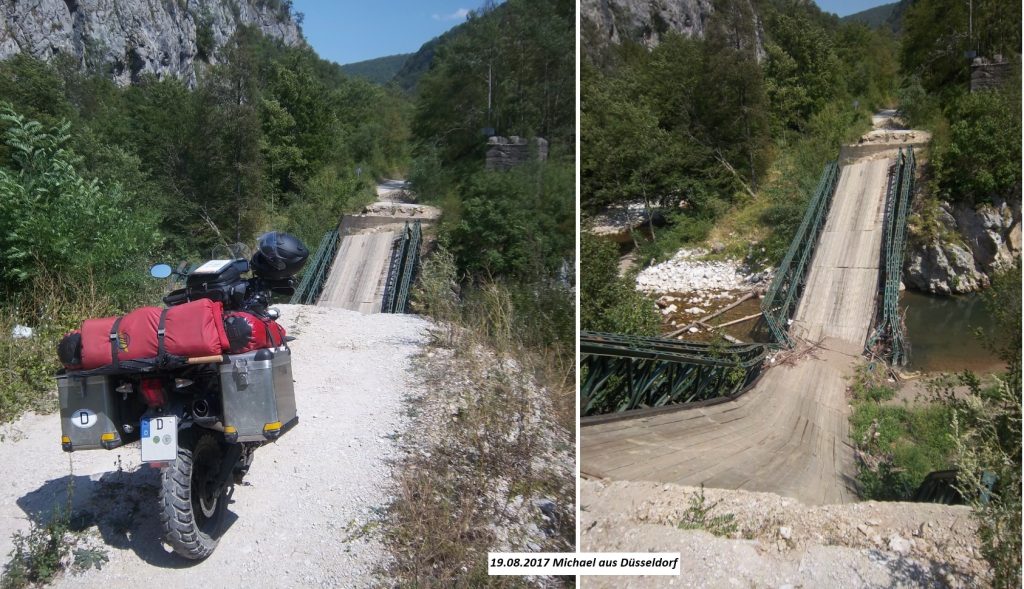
(123, 506)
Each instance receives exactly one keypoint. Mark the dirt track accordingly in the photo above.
(302, 518)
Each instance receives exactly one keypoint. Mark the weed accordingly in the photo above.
(870, 383)
(698, 517)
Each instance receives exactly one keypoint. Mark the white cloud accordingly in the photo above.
(459, 14)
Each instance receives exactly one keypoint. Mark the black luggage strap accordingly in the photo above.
(160, 331)
(114, 344)
(270, 333)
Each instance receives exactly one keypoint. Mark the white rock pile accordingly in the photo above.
(688, 272)
(618, 219)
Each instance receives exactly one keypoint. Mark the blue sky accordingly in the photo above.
(351, 31)
(845, 7)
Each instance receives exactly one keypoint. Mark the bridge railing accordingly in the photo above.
(402, 269)
(623, 373)
(888, 338)
(317, 270)
(783, 296)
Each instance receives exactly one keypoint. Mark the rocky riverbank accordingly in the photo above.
(690, 271)
(971, 244)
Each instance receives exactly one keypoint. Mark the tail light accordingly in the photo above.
(153, 392)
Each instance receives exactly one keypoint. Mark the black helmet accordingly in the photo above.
(278, 255)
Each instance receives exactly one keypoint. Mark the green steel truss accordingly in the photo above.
(308, 291)
(623, 373)
(780, 302)
(888, 338)
(402, 270)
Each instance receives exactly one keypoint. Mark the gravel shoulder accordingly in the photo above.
(306, 513)
(781, 542)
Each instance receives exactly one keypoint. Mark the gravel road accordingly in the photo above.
(306, 513)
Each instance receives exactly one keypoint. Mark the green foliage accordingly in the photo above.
(987, 428)
(515, 223)
(36, 556)
(380, 70)
(54, 220)
(730, 148)
(609, 302)
(205, 42)
(510, 68)
(46, 549)
(937, 33)
(870, 383)
(901, 446)
(981, 161)
(886, 15)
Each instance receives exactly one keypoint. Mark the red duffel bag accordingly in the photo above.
(189, 330)
(248, 332)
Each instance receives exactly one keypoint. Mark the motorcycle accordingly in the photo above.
(199, 419)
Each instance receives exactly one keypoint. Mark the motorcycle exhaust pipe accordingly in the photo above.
(200, 408)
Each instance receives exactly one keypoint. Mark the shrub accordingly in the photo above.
(609, 302)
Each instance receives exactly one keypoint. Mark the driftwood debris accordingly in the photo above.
(703, 320)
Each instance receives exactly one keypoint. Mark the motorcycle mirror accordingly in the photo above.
(160, 271)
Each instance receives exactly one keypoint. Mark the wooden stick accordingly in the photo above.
(713, 315)
(735, 321)
(732, 339)
(205, 360)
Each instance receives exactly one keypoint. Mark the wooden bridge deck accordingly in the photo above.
(356, 280)
(790, 434)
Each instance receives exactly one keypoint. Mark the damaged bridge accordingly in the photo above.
(694, 414)
(368, 263)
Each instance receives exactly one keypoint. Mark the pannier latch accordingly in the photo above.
(242, 371)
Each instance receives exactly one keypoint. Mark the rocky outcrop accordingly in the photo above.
(610, 22)
(980, 241)
(129, 39)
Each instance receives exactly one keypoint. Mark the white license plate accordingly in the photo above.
(159, 437)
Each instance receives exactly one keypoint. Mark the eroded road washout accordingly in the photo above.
(301, 517)
(787, 437)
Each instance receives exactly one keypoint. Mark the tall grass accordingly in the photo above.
(533, 323)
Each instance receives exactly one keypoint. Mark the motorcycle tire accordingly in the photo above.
(192, 508)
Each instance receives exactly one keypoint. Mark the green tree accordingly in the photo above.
(981, 162)
(609, 302)
(54, 220)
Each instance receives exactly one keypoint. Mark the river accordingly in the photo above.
(941, 331)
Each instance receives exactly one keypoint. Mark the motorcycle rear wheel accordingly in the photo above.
(192, 507)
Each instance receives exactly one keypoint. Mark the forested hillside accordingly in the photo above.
(886, 15)
(729, 144)
(380, 70)
(509, 68)
(99, 181)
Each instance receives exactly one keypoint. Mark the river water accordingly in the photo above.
(941, 331)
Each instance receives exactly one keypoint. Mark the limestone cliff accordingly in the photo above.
(131, 38)
(610, 22)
